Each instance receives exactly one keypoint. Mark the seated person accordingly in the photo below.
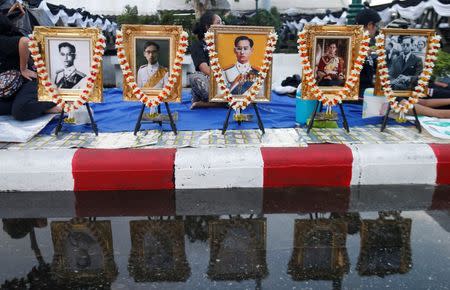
(152, 75)
(14, 55)
(199, 80)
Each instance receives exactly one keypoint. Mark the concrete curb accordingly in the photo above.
(203, 168)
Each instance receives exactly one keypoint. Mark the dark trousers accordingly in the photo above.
(24, 105)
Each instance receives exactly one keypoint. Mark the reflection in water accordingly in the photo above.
(385, 245)
(319, 250)
(238, 249)
(157, 251)
(83, 253)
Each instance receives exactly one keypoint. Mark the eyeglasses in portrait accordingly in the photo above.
(406, 50)
(151, 52)
(241, 52)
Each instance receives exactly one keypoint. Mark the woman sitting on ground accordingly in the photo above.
(199, 80)
(438, 103)
(14, 55)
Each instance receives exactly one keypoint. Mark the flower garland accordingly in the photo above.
(253, 91)
(151, 101)
(424, 77)
(50, 87)
(350, 82)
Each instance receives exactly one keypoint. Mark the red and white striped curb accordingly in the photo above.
(202, 168)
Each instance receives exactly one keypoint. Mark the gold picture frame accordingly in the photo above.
(83, 40)
(347, 40)
(134, 37)
(160, 242)
(223, 35)
(391, 33)
(83, 252)
(312, 260)
(382, 239)
(236, 263)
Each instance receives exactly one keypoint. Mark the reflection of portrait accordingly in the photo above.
(319, 250)
(157, 251)
(331, 67)
(238, 249)
(152, 74)
(385, 247)
(241, 75)
(406, 68)
(83, 252)
(69, 77)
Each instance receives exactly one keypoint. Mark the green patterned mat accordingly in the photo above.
(290, 137)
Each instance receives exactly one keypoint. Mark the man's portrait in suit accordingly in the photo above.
(241, 75)
(406, 68)
(69, 63)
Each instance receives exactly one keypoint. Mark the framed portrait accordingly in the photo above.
(238, 249)
(83, 252)
(405, 57)
(241, 52)
(157, 251)
(67, 53)
(319, 250)
(332, 51)
(151, 51)
(385, 247)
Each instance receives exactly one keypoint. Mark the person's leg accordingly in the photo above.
(5, 107)
(26, 106)
(200, 87)
(431, 112)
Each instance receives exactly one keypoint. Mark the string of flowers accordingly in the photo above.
(175, 72)
(419, 91)
(331, 100)
(250, 95)
(50, 87)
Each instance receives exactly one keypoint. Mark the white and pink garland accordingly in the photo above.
(350, 82)
(419, 91)
(250, 95)
(152, 101)
(50, 87)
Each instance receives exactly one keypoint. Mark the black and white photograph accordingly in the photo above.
(152, 62)
(68, 61)
(405, 56)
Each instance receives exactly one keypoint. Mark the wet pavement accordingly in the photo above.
(295, 238)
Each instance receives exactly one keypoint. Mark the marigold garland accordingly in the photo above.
(50, 87)
(253, 91)
(350, 82)
(152, 101)
(422, 83)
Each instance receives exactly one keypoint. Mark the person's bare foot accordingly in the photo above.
(54, 110)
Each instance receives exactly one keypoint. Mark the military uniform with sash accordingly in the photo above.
(152, 76)
(69, 78)
(240, 77)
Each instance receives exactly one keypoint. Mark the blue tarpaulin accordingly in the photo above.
(116, 115)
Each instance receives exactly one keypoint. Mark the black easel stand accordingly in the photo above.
(416, 119)
(141, 114)
(318, 108)
(93, 124)
(258, 116)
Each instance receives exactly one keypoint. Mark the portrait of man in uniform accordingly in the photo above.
(331, 67)
(69, 61)
(68, 77)
(152, 75)
(241, 76)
